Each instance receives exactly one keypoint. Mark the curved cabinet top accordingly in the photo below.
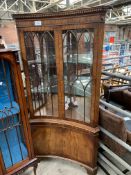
(62, 18)
(84, 11)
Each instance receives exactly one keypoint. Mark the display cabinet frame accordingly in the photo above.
(12, 58)
(76, 140)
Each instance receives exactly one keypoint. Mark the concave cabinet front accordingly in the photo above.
(61, 54)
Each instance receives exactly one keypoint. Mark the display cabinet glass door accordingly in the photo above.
(12, 139)
(77, 65)
(41, 63)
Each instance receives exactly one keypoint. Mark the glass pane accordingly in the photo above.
(77, 60)
(40, 51)
(12, 142)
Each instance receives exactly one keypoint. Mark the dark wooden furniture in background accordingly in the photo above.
(109, 121)
(61, 55)
(16, 148)
(119, 94)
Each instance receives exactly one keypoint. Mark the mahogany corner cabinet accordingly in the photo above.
(61, 54)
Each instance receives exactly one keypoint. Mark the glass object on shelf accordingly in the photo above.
(12, 141)
(77, 62)
(40, 52)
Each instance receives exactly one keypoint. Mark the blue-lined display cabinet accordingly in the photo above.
(15, 140)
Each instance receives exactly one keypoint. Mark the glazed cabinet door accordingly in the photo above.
(78, 48)
(41, 73)
(79, 64)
